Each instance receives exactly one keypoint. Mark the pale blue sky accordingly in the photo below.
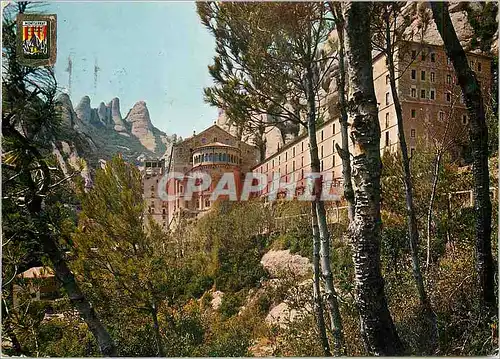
(157, 52)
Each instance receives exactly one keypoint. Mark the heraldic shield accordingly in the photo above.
(36, 35)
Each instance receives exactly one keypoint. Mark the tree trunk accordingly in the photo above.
(410, 206)
(377, 328)
(478, 132)
(331, 295)
(336, 10)
(156, 327)
(435, 178)
(78, 300)
(7, 328)
(318, 302)
(51, 249)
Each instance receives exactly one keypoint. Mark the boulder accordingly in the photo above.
(283, 263)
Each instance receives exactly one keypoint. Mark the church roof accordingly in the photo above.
(216, 144)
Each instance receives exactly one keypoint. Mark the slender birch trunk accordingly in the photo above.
(330, 293)
(377, 328)
(478, 133)
(411, 217)
(435, 178)
(336, 10)
(410, 206)
(318, 302)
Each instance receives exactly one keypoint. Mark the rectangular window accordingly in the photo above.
(273, 164)
(433, 95)
(479, 66)
(412, 152)
(321, 165)
(464, 119)
(448, 79)
(286, 169)
(333, 128)
(423, 56)
(413, 92)
(387, 98)
(422, 93)
(387, 120)
(413, 113)
(433, 77)
(412, 133)
(413, 74)
(279, 160)
(293, 166)
(302, 146)
(448, 97)
(321, 152)
(441, 116)
(286, 156)
(333, 146)
(302, 162)
(293, 151)
(321, 135)
(387, 139)
(387, 79)
(413, 54)
(333, 161)
(422, 75)
(433, 57)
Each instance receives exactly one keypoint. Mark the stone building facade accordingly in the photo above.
(152, 173)
(433, 112)
(214, 152)
(433, 109)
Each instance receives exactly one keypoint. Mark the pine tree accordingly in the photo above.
(30, 176)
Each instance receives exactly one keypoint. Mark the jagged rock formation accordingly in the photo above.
(141, 126)
(116, 117)
(98, 133)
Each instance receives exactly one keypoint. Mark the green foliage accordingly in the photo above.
(230, 238)
(230, 305)
(66, 338)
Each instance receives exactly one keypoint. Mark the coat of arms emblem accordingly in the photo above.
(36, 39)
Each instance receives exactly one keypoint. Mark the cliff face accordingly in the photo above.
(99, 133)
(141, 126)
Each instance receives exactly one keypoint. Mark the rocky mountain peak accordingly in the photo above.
(83, 109)
(142, 127)
(116, 116)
